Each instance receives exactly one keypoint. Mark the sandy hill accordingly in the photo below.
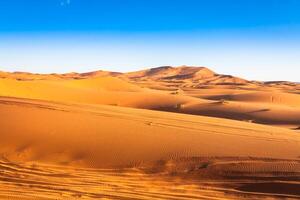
(165, 73)
(191, 90)
(25, 76)
(176, 73)
(184, 75)
(81, 136)
(67, 151)
(90, 128)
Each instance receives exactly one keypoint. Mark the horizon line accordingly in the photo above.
(142, 69)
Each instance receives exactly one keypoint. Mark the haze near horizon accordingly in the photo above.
(256, 40)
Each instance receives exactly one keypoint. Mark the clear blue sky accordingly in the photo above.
(255, 39)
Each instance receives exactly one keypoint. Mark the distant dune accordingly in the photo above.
(107, 135)
(191, 90)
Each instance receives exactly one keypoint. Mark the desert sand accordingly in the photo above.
(163, 133)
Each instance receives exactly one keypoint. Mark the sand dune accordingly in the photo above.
(191, 90)
(156, 145)
(81, 125)
(106, 135)
(274, 97)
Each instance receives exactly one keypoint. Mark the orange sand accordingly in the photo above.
(80, 136)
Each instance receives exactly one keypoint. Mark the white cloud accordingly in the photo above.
(65, 2)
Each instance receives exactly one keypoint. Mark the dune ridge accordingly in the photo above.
(190, 90)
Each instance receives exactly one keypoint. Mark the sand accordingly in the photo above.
(108, 135)
(190, 90)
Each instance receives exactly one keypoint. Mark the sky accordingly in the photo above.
(253, 39)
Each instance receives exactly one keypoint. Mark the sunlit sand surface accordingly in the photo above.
(56, 182)
(108, 135)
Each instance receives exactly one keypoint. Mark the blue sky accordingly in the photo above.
(255, 39)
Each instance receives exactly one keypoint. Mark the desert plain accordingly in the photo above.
(160, 133)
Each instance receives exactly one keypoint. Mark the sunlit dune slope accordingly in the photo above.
(108, 136)
(169, 72)
(102, 90)
(183, 76)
